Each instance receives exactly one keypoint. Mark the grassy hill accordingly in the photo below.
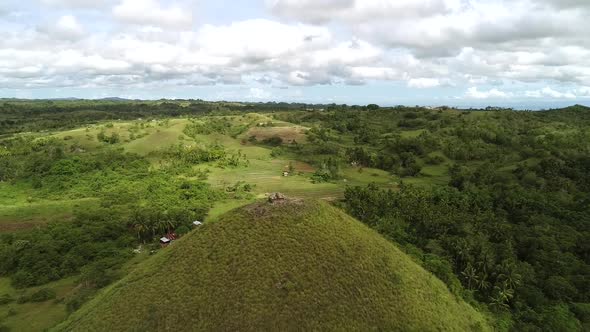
(291, 265)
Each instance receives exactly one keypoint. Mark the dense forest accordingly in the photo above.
(495, 203)
(510, 228)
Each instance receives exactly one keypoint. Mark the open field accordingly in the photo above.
(20, 210)
(34, 316)
(264, 172)
(289, 134)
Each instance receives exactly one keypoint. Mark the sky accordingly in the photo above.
(516, 53)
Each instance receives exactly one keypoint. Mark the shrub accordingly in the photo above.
(182, 230)
(276, 152)
(273, 141)
(5, 299)
(434, 160)
(74, 302)
(43, 294)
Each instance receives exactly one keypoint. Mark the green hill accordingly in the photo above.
(289, 265)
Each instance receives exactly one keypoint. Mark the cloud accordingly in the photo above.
(443, 27)
(255, 41)
(313, 11)
(257, 93)
(474, 93)
(77, 3)
(548, 92)
(567, 3)
(151, 13)
(67, 27)
(423, 83)
(321, 11)
(483, 44)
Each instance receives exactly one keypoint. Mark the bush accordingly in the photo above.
(273, 141)
(42, 295)
(12, 312)
(443, 270)
(79, 298)
(182, 230)
(276, 152)
(22, 279)
(5, 299)
(434, 160)
(23, 299)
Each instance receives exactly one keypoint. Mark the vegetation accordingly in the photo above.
(492, 202)
(276, 266)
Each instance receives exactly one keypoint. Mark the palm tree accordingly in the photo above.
(140, 227)
(165, 225)
(509, 275)
(139, 224)
(502, 297)
(470, 274)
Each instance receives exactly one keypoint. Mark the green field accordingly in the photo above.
(21, 210)
(34, 316)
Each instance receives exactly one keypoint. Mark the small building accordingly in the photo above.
(164, 241)
(285, 173)
(197, 223)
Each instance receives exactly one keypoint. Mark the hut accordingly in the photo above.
(164, 241)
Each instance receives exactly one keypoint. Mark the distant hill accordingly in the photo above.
(114, 99)
(288, 265)
(575, 113)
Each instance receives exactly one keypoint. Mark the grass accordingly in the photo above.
(150, 135)
(412, 133)
(267, 177)
(159, 137)
(18, 211)
(223, 207)
(287, 133)
(296, 265)
(34, 316)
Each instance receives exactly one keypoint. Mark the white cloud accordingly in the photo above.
(318, 11)
(474, 93)
(257, 93)
(441, 27)
(423, 83)
(151, 13)
(548, 92)
(77, 3)
(67, 27)
(259, 40)
(423, 44)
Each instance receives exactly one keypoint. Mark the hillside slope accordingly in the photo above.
(291, 265)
